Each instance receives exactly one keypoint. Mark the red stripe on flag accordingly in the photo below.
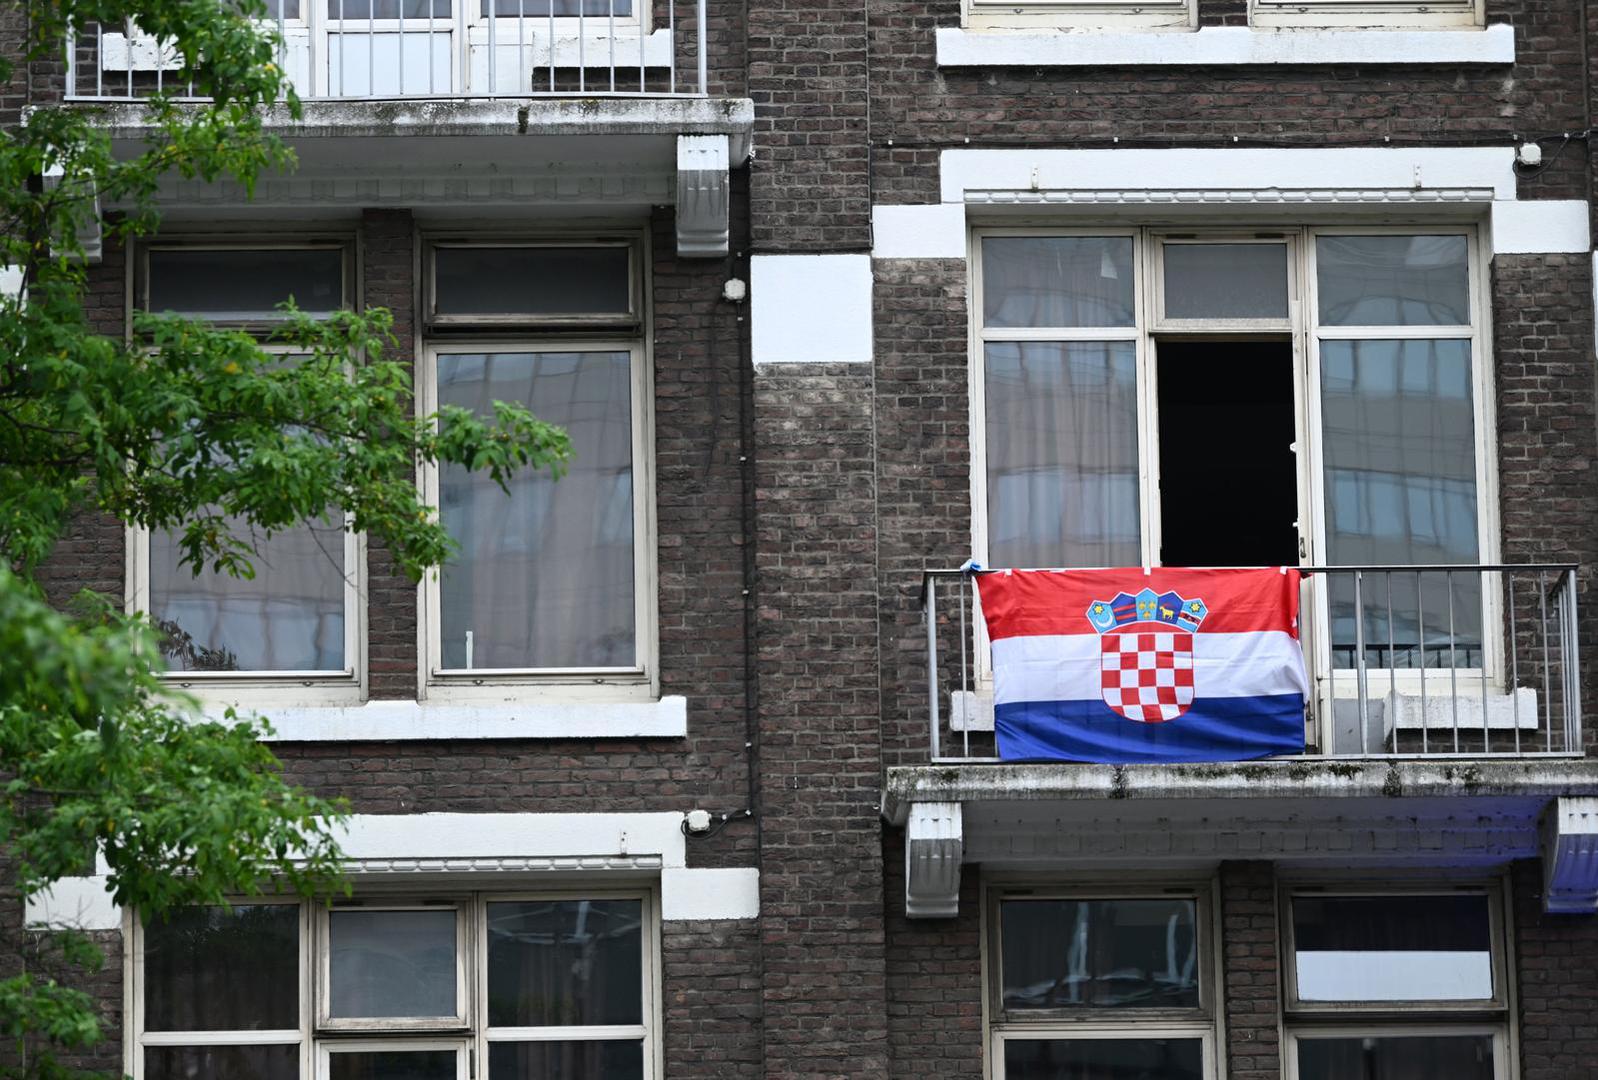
(1021, 603)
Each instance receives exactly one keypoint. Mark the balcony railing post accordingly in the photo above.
(965, 698)
(704, 62)
(1361, 689)
(1514, 662)
(929, 605)
(1548, 701)
(1572, 668)
(1453, 660)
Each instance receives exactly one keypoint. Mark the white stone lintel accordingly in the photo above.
(386, 721)
(918, 232)
(1221, 46)
(1541, 227)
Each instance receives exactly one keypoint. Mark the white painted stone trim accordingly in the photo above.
(80, 903)
(1541, 227)
(397, 844)
(918, 232)
(1352, 169)
(709, 893)
(1570, 856)
(387, 721)
(1216, 46)
(810, 309)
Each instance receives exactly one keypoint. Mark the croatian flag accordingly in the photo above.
(1123, 666)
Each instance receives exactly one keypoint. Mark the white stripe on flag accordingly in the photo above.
(1065, 667)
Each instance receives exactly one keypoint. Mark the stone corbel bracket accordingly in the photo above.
(703, 196)
(934, 850)
(1570, 856)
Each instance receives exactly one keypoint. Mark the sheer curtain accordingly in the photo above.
(544, 577)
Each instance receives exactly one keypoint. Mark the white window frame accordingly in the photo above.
(325, 1049)
(1080, 15)
(1103, 1023)
(470, 1035)
(1369, 14)
(138, 1039)
(1493, 891)
(638, 682)
(325, 1021)
(346, 686)
(141, 285)
(1356, 1019)
(1498, 1032)
(632, 317)
(1304, 331)
(648, 1032)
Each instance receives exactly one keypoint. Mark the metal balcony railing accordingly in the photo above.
(1404, 662)
(398, 49)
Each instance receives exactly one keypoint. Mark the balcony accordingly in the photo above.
(406, 49)
(1443, 728)
(1405, 662)
(475, 108)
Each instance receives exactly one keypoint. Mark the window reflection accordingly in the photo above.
(1099, 953)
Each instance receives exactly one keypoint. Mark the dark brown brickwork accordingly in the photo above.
(921, 107)
(712, 999)
(1556, 982)
(1250, 971)
(934, 979)
(820, 869)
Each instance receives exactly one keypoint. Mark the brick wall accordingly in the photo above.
(1250, 971)
(1556, 975)
(820, 861)
(922, 108)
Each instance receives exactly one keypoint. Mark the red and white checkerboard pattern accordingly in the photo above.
(1147, 675)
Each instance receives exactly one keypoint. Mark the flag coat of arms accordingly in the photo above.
(1123, 666)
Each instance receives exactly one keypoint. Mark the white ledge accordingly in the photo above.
(385, 721)
(1224, 45)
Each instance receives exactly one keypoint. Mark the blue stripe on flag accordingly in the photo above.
(1212, 729)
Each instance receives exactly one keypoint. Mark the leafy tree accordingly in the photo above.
(190, 428)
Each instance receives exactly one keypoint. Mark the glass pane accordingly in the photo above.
(531, 8)
(1104, 1059)
(1393, 948)
(1062, 454)
(544, 578)
(394, 1065)
(392, 963)
(1393, 280)
(388, 9)
(532, 281)
(1100, 953)
(245, 284)
(1057, 281)
(1392, 1057)
(277, 1062)
(559, 962)
(1226, 281)
(288, 617)
(566, 1061)
(192, 961)
(1400, 446)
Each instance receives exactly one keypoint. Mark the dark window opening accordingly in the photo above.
(1228, 474)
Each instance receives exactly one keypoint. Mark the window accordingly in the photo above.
(1093, 985)
(1323, 391)
(292, 630)
(553, 584)
(1081, 14)
(534, 985)
(1397, 983)
(1368, 14)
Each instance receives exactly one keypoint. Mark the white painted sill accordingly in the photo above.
(1219, 46)
(388, 721)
